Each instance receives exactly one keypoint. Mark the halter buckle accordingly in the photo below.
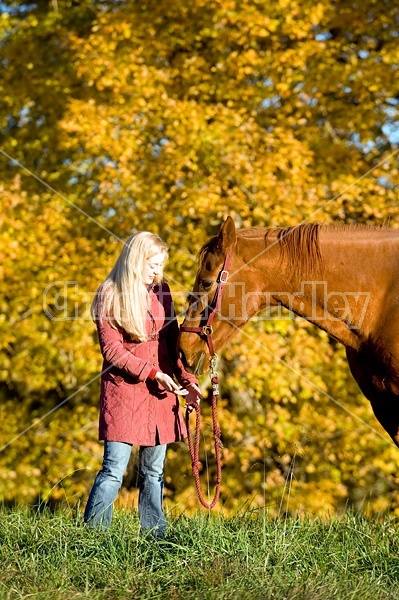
(207, 330)
(223, 277)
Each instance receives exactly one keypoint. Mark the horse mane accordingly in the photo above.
(300, 247)
(209, 246)
(300, 244)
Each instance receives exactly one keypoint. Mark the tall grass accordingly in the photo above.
(53, 556)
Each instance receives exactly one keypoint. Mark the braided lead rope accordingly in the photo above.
(194, 447)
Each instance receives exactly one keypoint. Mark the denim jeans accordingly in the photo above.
(109, 480)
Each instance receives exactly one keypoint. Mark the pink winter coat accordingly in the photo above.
(133, 408)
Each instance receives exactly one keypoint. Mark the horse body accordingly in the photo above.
(343, 279)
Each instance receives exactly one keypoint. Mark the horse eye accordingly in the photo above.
(205, 284)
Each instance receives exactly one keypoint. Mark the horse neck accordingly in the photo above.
(331, 294)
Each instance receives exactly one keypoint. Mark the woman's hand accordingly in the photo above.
(193, 396)
(168, 384)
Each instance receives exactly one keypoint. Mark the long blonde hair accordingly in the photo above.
(122, 298)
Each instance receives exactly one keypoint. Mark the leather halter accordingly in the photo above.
(206, 331)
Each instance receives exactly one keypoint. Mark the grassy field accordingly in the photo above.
(53, 556)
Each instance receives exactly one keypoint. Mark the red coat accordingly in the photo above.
(133, 407)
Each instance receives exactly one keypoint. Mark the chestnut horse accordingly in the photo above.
(344, 279)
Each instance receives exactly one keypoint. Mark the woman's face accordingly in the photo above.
(153, 267)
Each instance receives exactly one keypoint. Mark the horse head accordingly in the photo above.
(207, 325)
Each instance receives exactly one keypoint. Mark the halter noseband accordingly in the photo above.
(206, 331)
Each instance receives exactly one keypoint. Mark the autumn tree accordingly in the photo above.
(169, 116)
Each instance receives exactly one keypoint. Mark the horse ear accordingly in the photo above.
(226, 235)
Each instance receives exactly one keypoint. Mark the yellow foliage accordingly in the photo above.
(169, 117)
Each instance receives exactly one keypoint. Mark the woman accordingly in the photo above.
(139, 404)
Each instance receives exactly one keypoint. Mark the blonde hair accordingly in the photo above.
(122, 298)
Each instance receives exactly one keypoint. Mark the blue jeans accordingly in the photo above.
(109, 480)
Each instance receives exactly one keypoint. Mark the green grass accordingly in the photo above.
(53, 556)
